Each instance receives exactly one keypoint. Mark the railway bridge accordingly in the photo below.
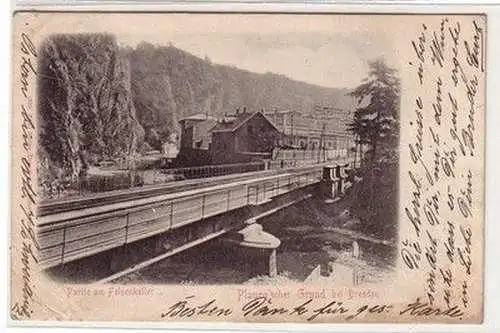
(170, 218)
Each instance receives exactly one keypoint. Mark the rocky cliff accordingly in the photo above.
(86, 112)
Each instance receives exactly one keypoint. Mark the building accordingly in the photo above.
(243, 137)
(324, 128)
(196, 137)
(170, 148)
(196, 131)
(235, 138)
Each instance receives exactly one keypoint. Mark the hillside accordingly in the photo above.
(168, 84)
(100, 101)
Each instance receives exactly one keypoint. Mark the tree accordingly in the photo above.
(376, 119)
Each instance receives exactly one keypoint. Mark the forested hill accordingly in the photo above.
(104, 101)
(169, 83)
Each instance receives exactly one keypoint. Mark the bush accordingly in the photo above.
(380, 212)
(149, 162)
(118, 181)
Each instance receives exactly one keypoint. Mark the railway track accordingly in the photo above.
(56, 206)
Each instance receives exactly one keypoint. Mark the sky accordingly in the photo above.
(327, 50)
(327, 58)
(330, 60)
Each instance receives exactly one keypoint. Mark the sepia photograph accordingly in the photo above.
(246, 160)
(242, 168)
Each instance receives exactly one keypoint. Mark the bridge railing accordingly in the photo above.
(69, 236)
(128, 179)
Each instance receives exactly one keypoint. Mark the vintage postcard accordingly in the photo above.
(248, 167)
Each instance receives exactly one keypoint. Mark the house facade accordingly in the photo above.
(235, 138)
(243, 137)
(196, 131)
(196, 137)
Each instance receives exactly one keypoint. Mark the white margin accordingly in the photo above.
(492, 191)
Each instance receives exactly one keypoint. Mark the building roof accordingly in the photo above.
(199, 117)
(233, 122)
(286, 111)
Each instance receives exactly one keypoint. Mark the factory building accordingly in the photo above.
(323, 128)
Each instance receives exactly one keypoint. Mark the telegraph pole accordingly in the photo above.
(321, 143)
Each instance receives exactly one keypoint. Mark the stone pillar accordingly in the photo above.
(263, 245)
(330, 183)
(272, 265)
(340, 182)
(357, 278)
(356, 250)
